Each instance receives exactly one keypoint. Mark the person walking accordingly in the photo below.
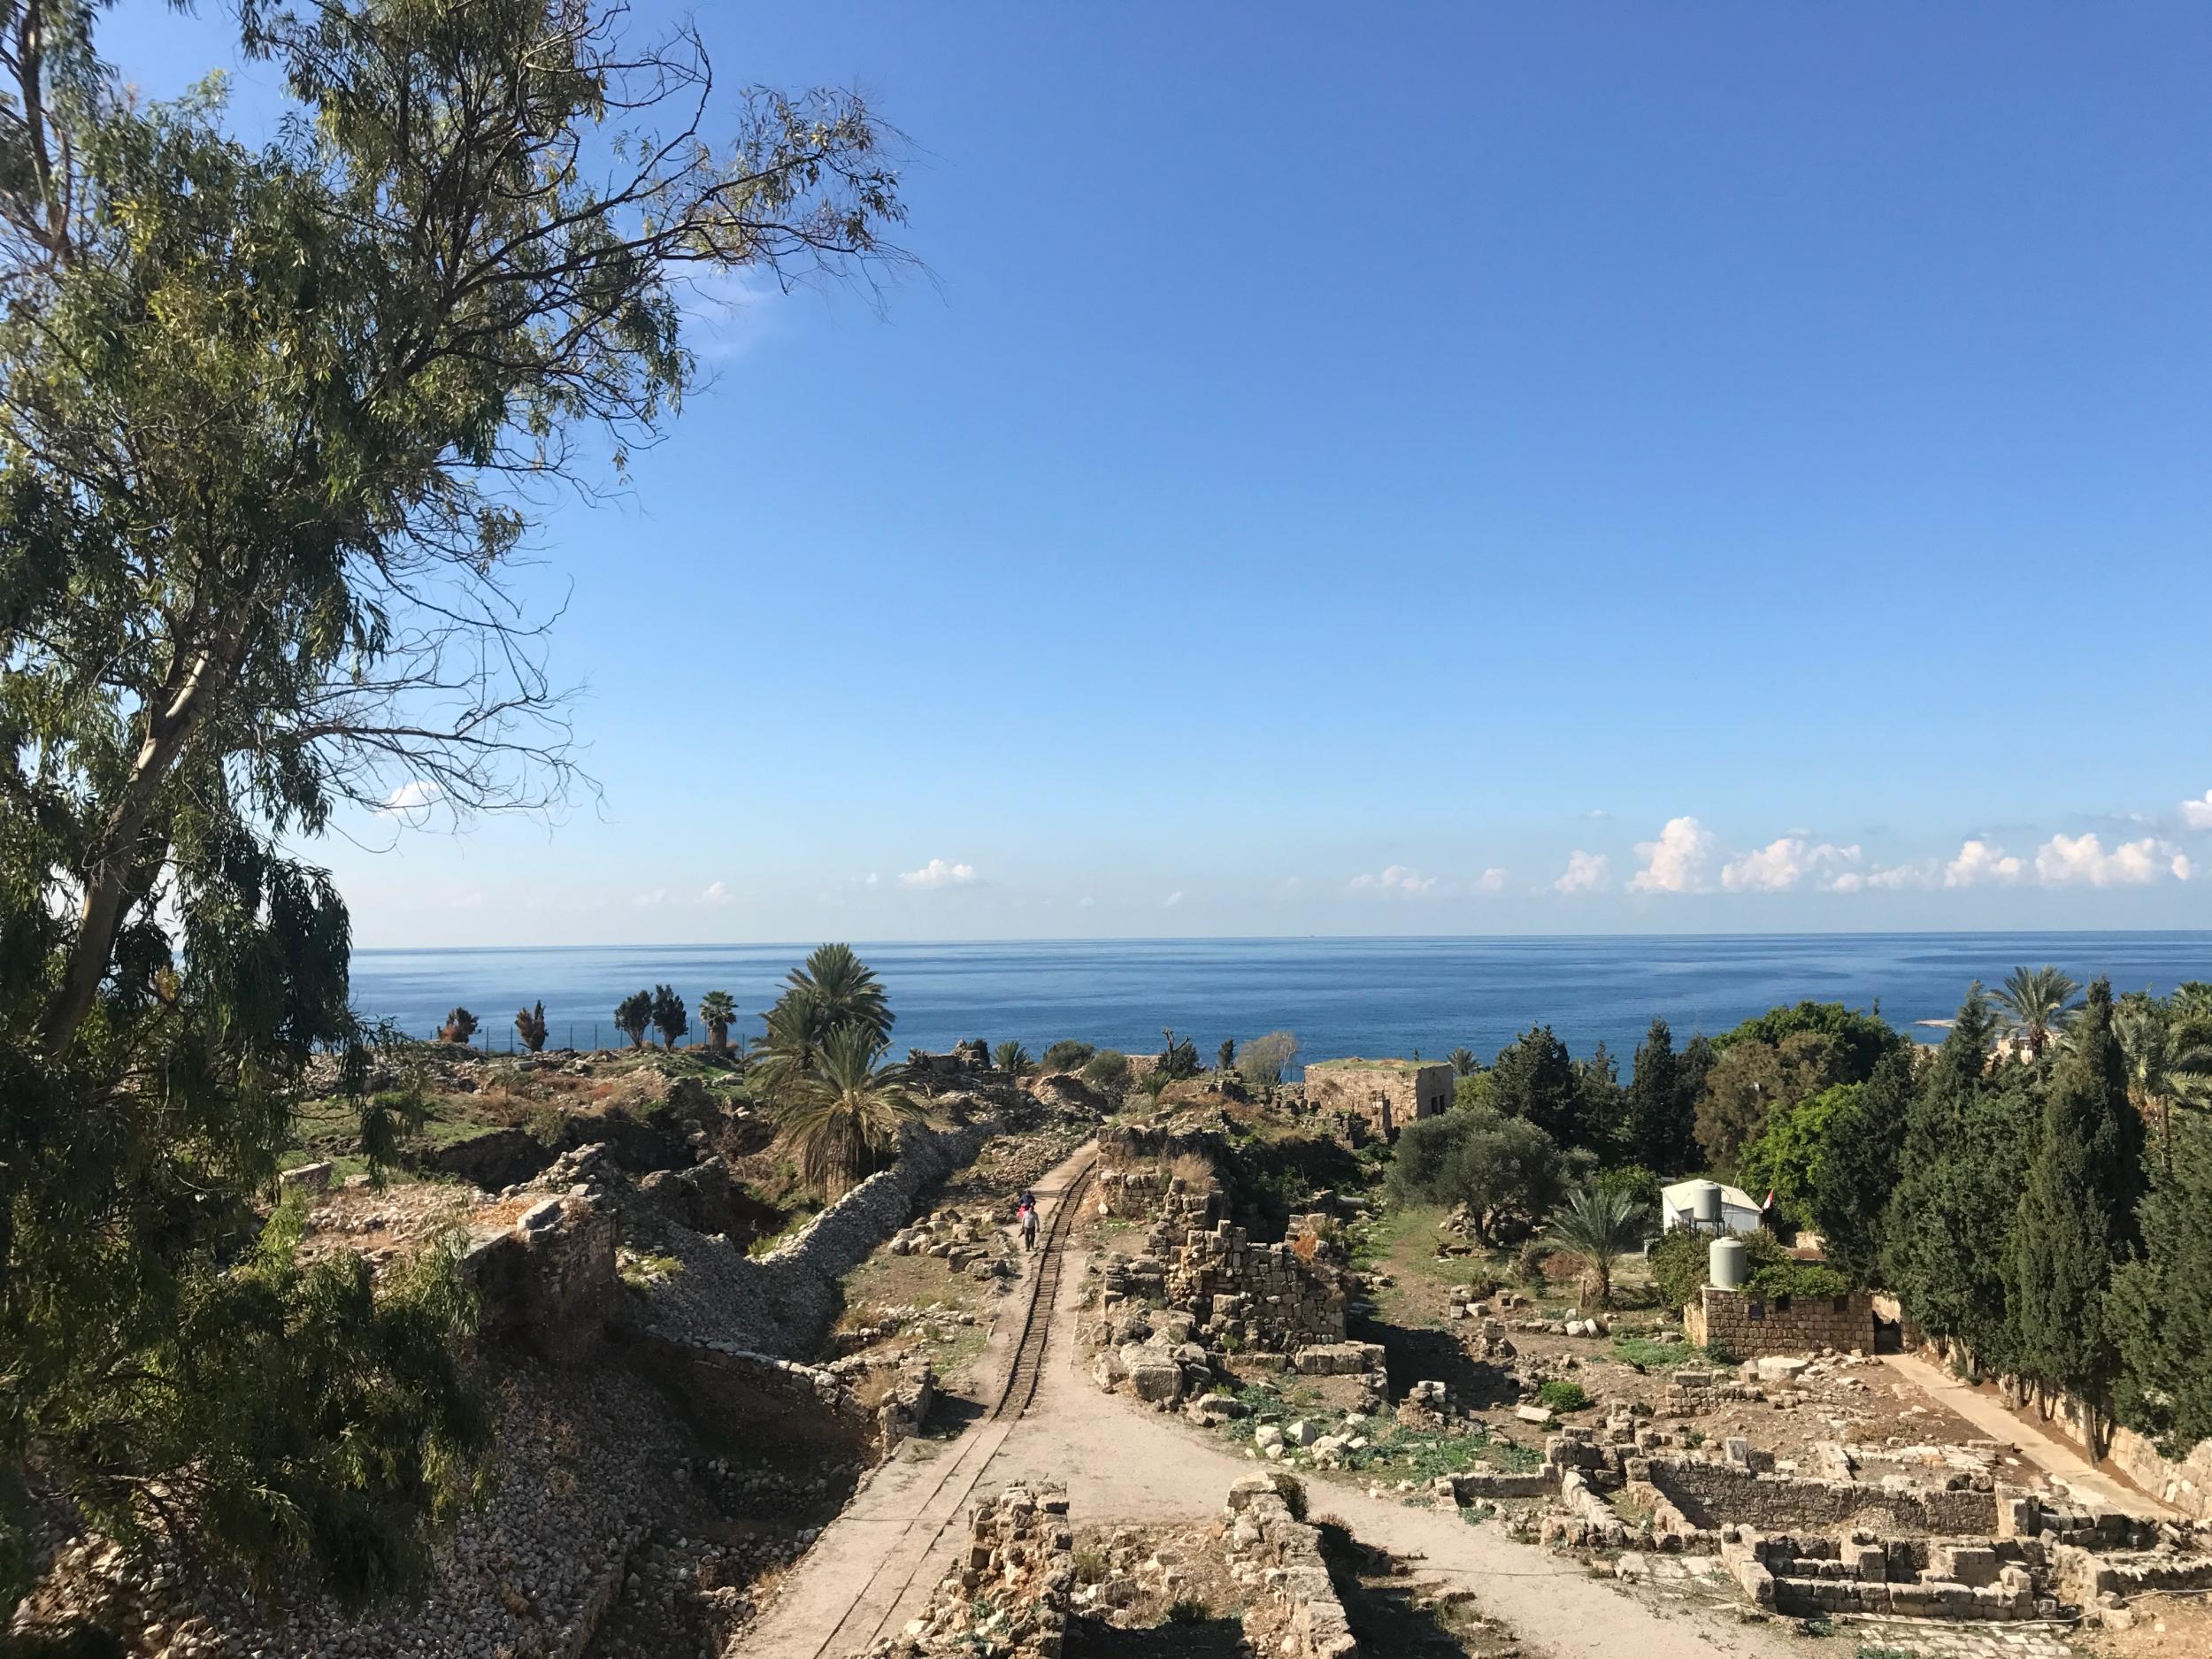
(1029, 1222)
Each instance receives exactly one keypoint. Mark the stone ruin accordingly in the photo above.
(1016, 1590)
(1010, 1596)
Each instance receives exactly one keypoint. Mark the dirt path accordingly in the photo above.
(1120, 1461)
(2059, 1459)
(875, 1566)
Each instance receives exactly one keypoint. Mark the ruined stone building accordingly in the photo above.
(1387, 1094)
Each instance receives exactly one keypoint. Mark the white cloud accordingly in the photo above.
(716, 893)
(412, 799)
(1888, 877)
(1676, 862)
(1172, 900)
(1586, 872)
(654, 897)
(938, 873)
(2064, 860)
(869, 880)
(1396, 879)
(1981, 863)
(1492, 881)
(2198, 814)
(1086, 902)
(1781, 864)
(1597, 814)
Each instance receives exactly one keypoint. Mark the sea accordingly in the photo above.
(1338, 996)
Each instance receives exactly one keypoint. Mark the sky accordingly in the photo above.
(1415, 470)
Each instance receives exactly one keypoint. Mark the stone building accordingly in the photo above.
(1748, 1325)
(1386, 1094)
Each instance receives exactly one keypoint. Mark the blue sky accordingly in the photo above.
(1425, 469)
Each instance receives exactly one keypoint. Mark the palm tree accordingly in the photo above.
(1597, 1227)
(844, 988)
(2169, 1058)
(2037, 1004)
(796, 1032)
(1464, 1063)
(716, 1012)
(1013, 1059)
(837, 1121)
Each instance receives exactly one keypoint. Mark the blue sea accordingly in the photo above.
(1340, 997)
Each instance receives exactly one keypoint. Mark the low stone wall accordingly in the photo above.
(1748, 1325)
(1487, 1486)
(1972, 1579)
(777, 1403)
(1713, 1495)
(1271, 1546)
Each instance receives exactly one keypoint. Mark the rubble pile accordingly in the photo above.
(1010, 1597)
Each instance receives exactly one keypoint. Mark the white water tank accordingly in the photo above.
(1724, 1264)
(1705, 1206)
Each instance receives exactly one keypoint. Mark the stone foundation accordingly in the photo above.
(1711, 1494)
(1271, 1547)
(1748, 1325)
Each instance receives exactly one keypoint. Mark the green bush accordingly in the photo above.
(1633, 1180)
(1109, 1068)
(1563, 1396)
(1067, 1055)
(1799, 1279)
(1529, 1264)
(1678, 1261)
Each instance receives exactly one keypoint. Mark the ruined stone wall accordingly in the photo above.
(1713, 1495)
(1280, 1300)
(781, 1402)
(783, 1303)
(1385, 1098)
(548, 1282)
(1270, 1547)
(1977, 1579)
(1748, 1325)
(1138, 1168)
(1010, 1595)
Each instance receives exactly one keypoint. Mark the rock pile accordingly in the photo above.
(1010, 1597)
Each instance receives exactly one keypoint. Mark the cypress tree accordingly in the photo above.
(1534, 1078)
(2160, 1309)
(2076, 1216)
(1660, 1109)
(1862, 1151)
(1948, 1225)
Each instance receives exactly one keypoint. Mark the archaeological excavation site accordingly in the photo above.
(1236, 1397)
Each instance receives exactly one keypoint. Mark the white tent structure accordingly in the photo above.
(1709, 1206)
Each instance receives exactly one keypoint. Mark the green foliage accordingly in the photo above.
(1752, 1078)
(1528, 1264)
(670, 1017)
(1949, 1230)
(530, 1027)
(1633, 1181)
(1068, 1055)
(1678, 1261)
(1661, 1106)
(1226, 1057)
(1471, 1091)
(2036, 1004)
(1503, 1169)
(1187, 1609)
(1179, 1058)
(718, 1012)
(1109, 1068)
(839, 989)
(1595, 1228)
(2160, 1309)
(1601, 1106)
(2076, 1216)
(1266, 1057)
(1790, 1151)
(1858, 1171)
(1799, 1279)
(1533, 1080)
(1859, 1040)
(1562, 1395)
(1011, 1059)
(1463, 1062)
(840, 1118)
(633, 1015)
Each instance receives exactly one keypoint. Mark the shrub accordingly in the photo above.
(1799, 1279)
(1188, 1610)
(1090, 1564)
(459, 1026)
(1678, 1261)
(1632, 1179)
(1563, 1396)
(1109, 1068)
(1266, 1057)
(1179, 1059)
(1068, 1055)
(1529, 1264)
(530, 1027)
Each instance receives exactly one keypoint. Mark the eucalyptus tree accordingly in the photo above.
(279, 418)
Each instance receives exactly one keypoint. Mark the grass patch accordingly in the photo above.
(643, 1271)
(1418, 1454)
(1565, 1396)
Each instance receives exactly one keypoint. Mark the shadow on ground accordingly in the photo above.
(1177, 1639)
